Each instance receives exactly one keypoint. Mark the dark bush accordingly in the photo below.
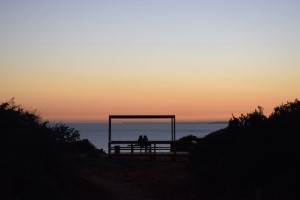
(254, 153)
(85, 146)
(33, 154)
(186, 143)
(65, 133)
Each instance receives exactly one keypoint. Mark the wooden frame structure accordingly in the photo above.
(131, 143)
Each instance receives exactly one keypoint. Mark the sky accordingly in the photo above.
(83, 60)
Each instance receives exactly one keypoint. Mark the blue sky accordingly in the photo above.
(111, 50)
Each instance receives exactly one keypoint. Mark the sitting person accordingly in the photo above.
(141, 142)
(146, 142)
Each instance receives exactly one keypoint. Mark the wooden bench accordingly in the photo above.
(133, 147)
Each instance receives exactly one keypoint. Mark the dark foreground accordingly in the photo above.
(126, 178)
(255, 157)
(137, 178)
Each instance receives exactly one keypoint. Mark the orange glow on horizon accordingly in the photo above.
(192, 110)
(104, 58)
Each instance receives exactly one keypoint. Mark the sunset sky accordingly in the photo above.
(82, 60)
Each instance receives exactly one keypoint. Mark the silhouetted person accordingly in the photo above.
(141, 142)
(146, 142)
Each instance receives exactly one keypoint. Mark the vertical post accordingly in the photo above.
(172, 134)
(173, 143)
(109, 134)
(174, 130)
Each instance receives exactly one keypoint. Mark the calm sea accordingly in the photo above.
(97, 133)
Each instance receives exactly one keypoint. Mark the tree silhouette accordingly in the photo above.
(254, 151)
(65, 133)
(33, 153)
(253, 119)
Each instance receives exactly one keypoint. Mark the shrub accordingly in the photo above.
(254, 151)
(32, 153)
(65, 133)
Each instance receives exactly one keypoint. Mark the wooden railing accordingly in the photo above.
(152, 147)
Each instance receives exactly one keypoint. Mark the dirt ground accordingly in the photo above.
(130, 179)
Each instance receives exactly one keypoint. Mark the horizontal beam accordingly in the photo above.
(157, 154)
(149, 142)
(142, 116)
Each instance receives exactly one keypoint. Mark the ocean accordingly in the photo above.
(97, 133)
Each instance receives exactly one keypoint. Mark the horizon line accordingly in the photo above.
(136, 122)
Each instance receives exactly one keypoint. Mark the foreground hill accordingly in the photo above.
(36, 158)
(254, 156)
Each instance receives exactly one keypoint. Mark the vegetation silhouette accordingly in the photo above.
(254, 157)
(34, 154)
(186, 143)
